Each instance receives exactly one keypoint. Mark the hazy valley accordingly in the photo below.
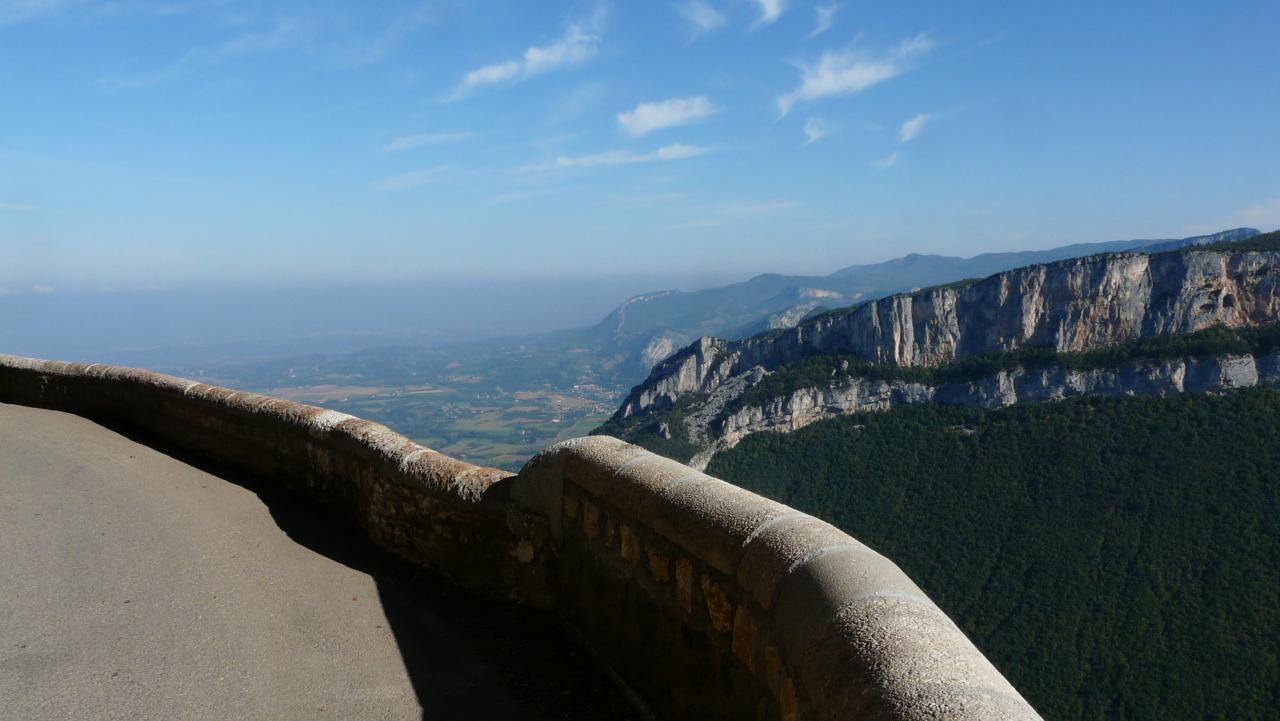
(498, 401)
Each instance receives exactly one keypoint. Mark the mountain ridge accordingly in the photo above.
(1067, 306)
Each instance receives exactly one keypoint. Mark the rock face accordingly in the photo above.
(1072, 305)
(808, 405)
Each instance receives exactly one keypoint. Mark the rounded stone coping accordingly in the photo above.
(863, 640)
(859, 637)
(420, 465)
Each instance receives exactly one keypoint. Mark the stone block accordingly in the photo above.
(826, 581)
(903, 659)
(779, 544)
(710, 519)
(719, 606)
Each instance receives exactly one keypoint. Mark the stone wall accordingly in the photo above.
(707, 600)
(427, 507)
(715, 602)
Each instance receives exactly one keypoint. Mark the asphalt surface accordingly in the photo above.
(134, 585)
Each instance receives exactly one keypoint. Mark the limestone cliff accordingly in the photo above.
(1069, 307)
(803, 406)
(1072, 305)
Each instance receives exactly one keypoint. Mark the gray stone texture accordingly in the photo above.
(707, 600)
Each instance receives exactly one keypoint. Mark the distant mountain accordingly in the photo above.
(647, 328)
(920, 271)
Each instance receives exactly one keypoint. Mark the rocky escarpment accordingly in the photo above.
(1067, 306)
(800, 407)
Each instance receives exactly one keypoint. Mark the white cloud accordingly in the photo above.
(41, 289)
(409, 180)
(888, 161)
(826, 15)
(843, 73)
(409, 142)
(675, 151)
(702, 16)
(18, 207)
(770, 10)
(912, 128)
(580, 42)
(815, 129)
(648, 117)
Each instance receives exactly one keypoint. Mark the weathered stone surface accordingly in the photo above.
(715, 601)
(684, 583)
(778, 546)
(866, 663)
(710, 519)
(824, 582)
(744, 638)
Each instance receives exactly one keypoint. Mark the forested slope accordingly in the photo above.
(1116, 558)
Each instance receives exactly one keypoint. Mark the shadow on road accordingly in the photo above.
(466, 658)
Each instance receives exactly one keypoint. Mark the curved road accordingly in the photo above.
(135, 586)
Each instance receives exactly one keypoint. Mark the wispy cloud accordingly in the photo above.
(770, 11)
(392, 36)
(887, 161)
(911, 128)
(826, 16)
(815, 129)
(409, 142)
(579, 43)
(39, 289)
(521, 195)
(648, 117)
(576, 101)
(648, 199)
(18, 207)
(409, 180)
(13, 12)
(731, 213)
(284, 33)
(675, 151)
(702, 16)
(846, 72)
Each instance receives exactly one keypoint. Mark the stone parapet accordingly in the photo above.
(431, 509)
(705, 599)
(718, 603)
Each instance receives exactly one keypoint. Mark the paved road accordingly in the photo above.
(135, 586)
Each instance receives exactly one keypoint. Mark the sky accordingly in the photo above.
(220, 143)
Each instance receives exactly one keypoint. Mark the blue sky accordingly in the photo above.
(217, 142)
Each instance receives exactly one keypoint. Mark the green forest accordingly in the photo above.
(1117, 559)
